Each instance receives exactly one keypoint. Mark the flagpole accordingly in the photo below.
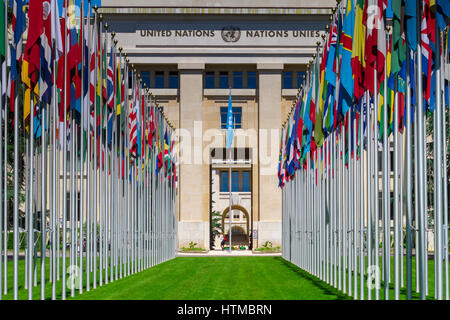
(31, 199)
(386, 191)
(228, 144)
(43, 197)
(85, 61)
(120, 168)
(4, 214)
(16, 197)
(396, 198)
(361, 197)
(444, 157)
(421, 186)
(53, 187)
(408, 127)
(4, 105)
(64, 211)
(72, 134)
(438, 172)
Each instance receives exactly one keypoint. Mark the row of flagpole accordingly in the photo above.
(99, 159)
(360, 202)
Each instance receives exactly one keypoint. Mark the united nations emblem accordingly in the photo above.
(231, 34)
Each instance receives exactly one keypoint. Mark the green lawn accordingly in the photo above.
(191, 278)
(218, 278)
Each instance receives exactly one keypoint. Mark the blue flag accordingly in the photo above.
(411, 24)
(230, 121)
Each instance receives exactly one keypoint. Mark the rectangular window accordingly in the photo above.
(173, 79)
(237, 117)
(237, 80)
(300, 78)
(235, 181)
(251, 80)
(223, 80)
(245, 181)
(287, 80)
(146, 78)
(159, 79)
(209, 80)
(224, 181)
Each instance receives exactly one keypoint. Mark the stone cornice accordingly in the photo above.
(211, 10)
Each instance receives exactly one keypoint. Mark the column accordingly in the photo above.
(192, 225)
(269, 195)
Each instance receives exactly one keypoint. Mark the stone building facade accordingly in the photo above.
(192, 54)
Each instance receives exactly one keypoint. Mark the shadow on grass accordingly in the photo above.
(324, 287)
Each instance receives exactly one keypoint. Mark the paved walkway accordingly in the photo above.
(226, 253)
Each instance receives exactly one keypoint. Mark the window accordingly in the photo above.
(237, 117)
(209, 80)
(287, 80)
(251, 80)
(300, 78)
(240, 181)
(159, 79)
(223, 80)
(146, 78)
(246, 181)
(237, 80)
(235, 181)
(224, 181)
(238, 154)
(173, 80)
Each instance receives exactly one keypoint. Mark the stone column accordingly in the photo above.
(192, 226)
(269, 215)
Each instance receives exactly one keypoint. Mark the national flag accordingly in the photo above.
(346, 72)
(46, 67)
(411, 24)
(443, 13)
(18, 28)
(133, 123)
(110, 94)
(118, 90)
(358, 51)
(86, 72)
(308, 125)
(330, 76)
(428, 39)
(32, 55)
(93, 70)
(398, 44)
(318, 132)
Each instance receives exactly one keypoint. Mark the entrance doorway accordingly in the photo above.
(240, 231)
(240, 185)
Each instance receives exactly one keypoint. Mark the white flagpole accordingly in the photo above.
(438, 173)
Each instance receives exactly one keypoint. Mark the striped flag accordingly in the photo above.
(133, 122)
(110, 93)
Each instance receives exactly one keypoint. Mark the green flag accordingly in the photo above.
(398, 46)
